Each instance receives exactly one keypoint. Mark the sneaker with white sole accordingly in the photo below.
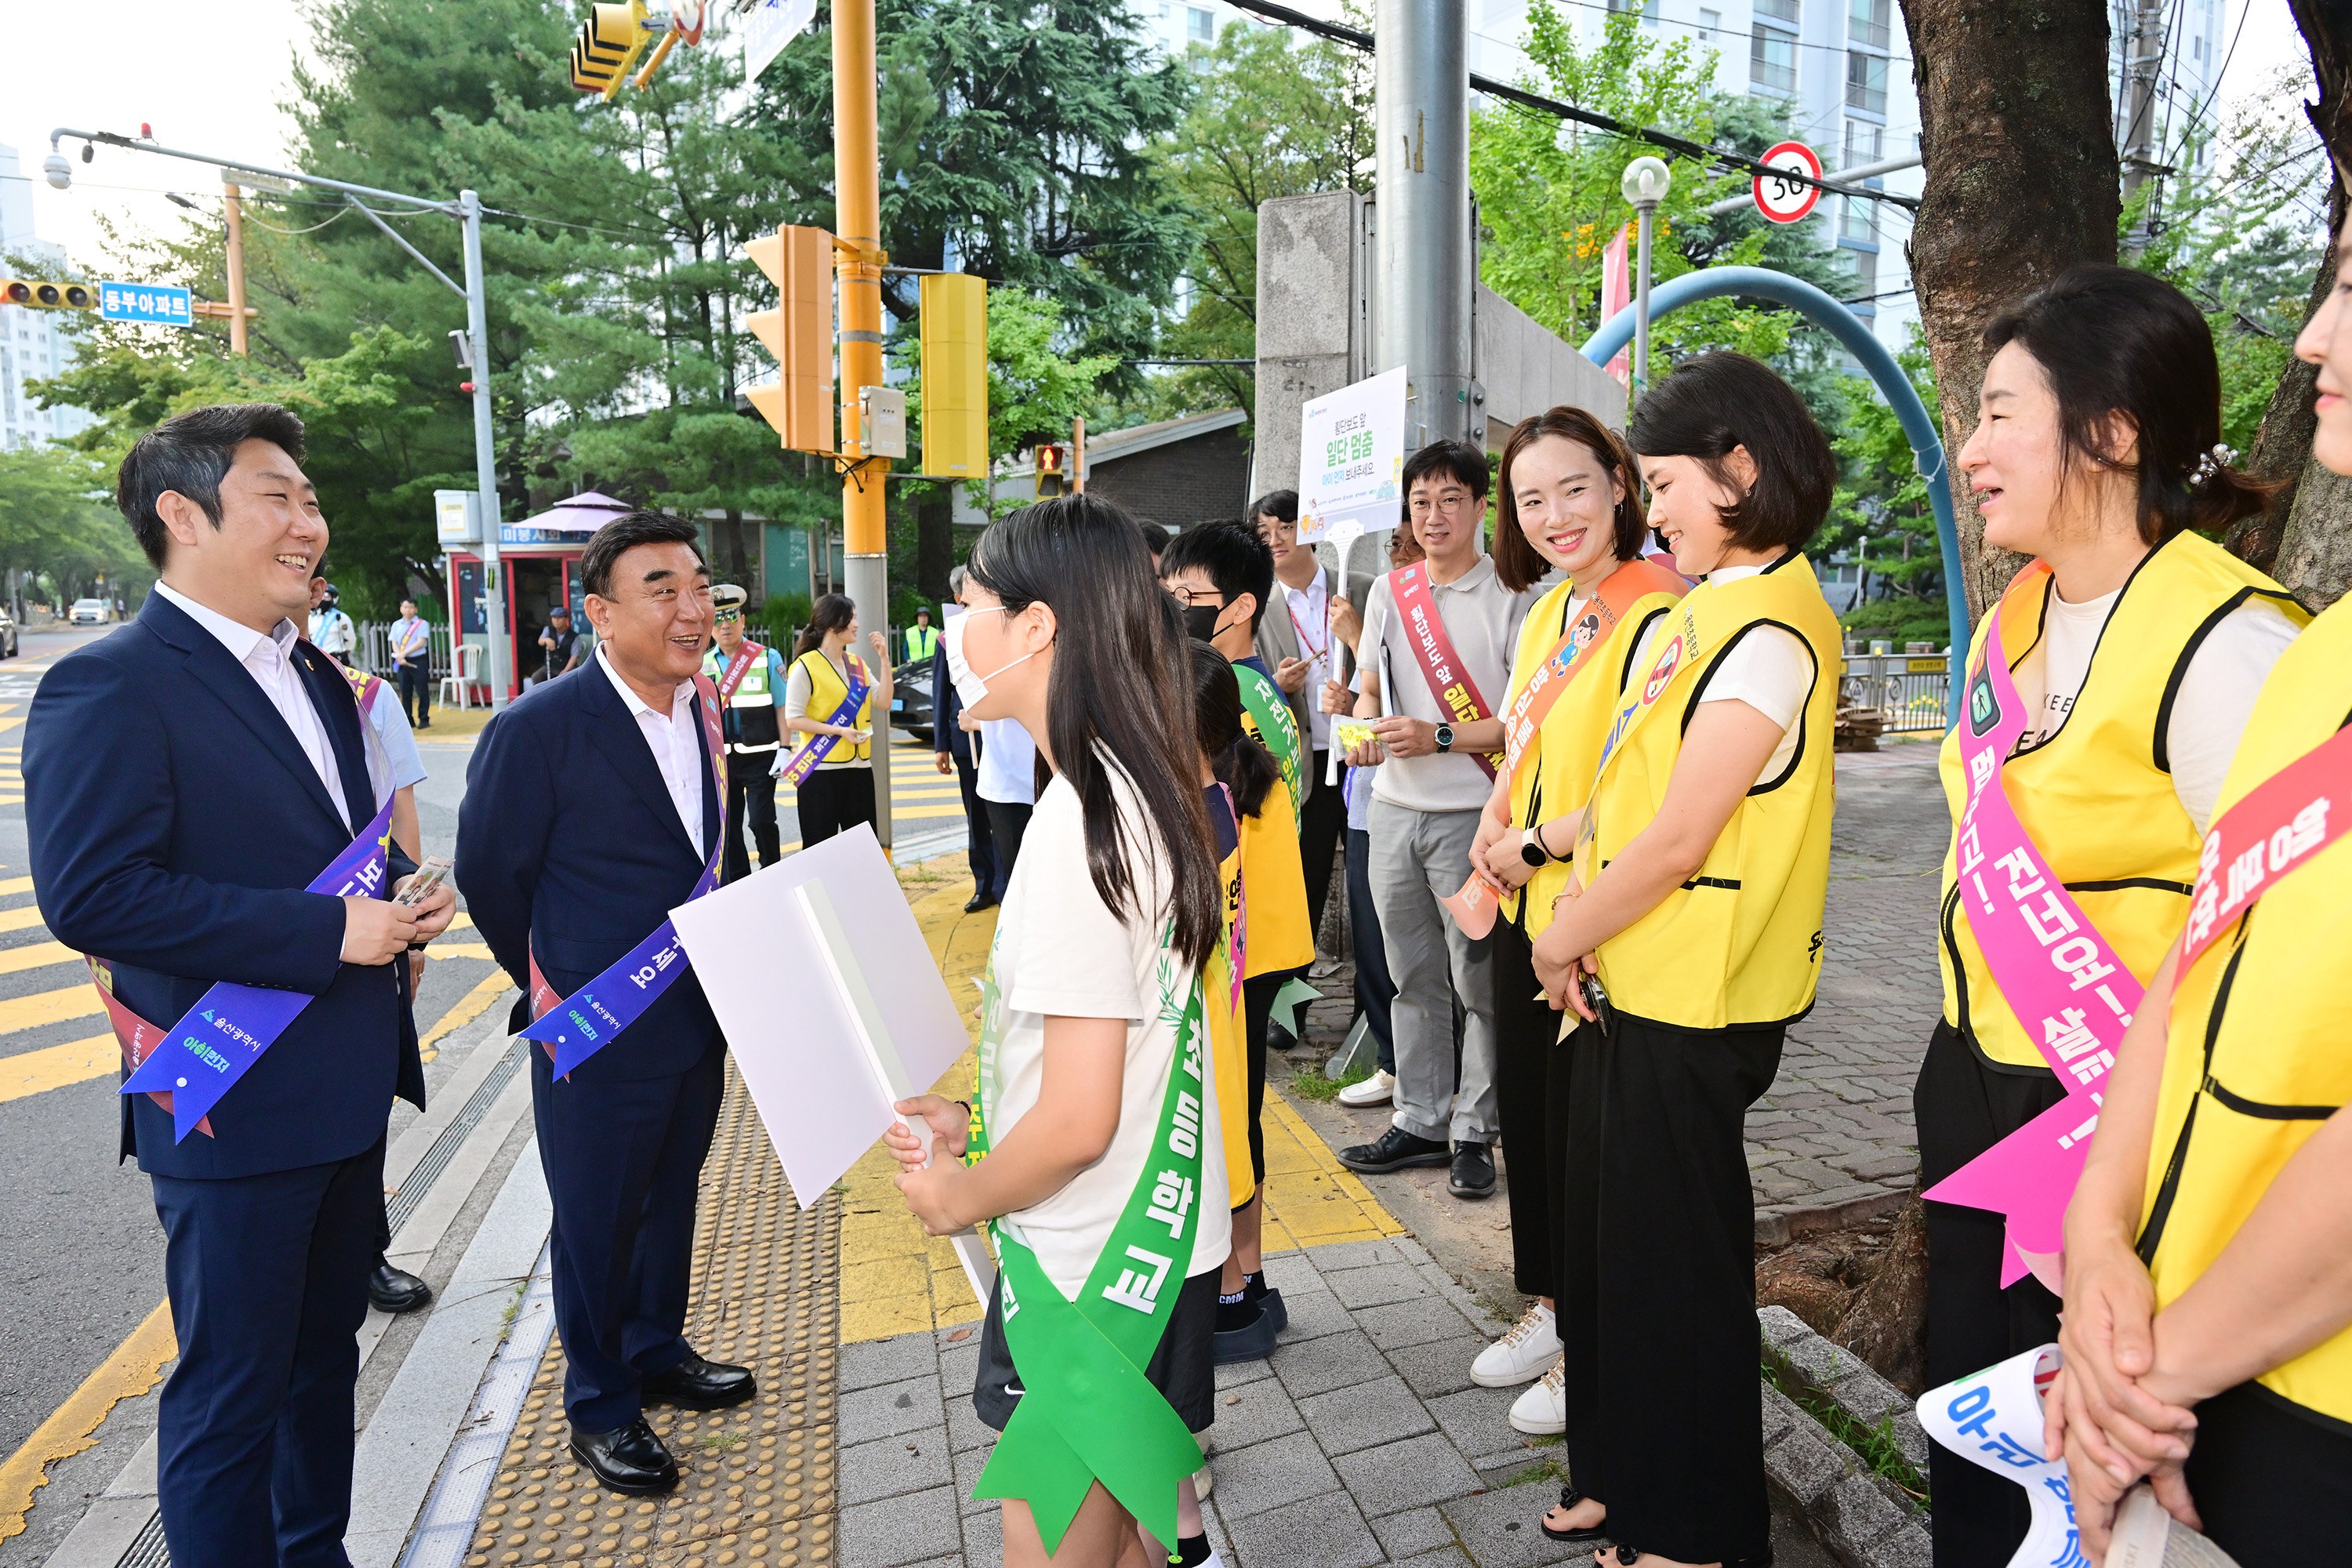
(1521, 1355)
(1542, 1410)
(1374, 1090)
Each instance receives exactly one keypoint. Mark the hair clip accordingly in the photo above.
(2211, 463)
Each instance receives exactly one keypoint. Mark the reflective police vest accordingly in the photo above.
(2255, 1061)
(922, 641)
(1739, 943)
(752, 724)
(2097, 796)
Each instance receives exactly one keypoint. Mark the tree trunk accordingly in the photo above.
(2304, 538)
(2020, 186)
(731, 557)
(934, 542)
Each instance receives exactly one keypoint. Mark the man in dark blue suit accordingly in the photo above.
(184, 780)
(591, 810)
(954, 746)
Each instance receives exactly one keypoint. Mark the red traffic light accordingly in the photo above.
(1049, 459)
(17, 293)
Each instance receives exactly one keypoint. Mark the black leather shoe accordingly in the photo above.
(630, 1460)
(694, 1383)
(980, 901)
(396, 1290)
(1473, 1175)
(1394, 1149)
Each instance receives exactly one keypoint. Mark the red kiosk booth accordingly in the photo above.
(540, 559)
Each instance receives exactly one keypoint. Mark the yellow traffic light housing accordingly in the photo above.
(954, 332)
(37, 296)
(609, 44)
(799, 331)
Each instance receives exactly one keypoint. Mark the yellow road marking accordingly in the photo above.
(48, 1007)
(35, 956)
(470, 1006)
(25, 919)
(15, 884)
(130, 1371)
(54, 1066)
(459, 950)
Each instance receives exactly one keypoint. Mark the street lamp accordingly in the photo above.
(1644, 185)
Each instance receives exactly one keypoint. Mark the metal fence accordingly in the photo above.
(375, 649)
(1913, 689)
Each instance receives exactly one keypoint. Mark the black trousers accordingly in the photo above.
(415, 692)
(1531, 1077)
(1374, 989)
(623, 1160)
(1320, 825)
(1258, 1010)
(1657, 1288)
(751, 795)
(835, 800)
(987, 876)
(1007, 821)
(1963, 1106)
(2272, 1484)
(268, 1276)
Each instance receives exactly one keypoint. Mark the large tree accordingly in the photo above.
(2021, 184)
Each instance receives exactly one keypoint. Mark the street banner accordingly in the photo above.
(1352, 459)
(1616, 293)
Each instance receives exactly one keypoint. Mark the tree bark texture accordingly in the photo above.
(2020, 186)
(2304, 538)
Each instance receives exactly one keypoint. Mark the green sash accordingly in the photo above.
(1086, 1412)
(1270, 711)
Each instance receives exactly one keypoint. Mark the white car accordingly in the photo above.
(89, 613)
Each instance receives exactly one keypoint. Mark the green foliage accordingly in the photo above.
(1885, 502)
(1033, 389)
(1877, 1447)
(1315, 1085)
(57, 522)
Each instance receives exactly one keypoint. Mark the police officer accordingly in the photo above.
(753, 736)
(922, 638)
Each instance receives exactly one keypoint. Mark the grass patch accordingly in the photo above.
(1548, 1470)
(1875, 1446)
(1315, 1085)
(723, 1442)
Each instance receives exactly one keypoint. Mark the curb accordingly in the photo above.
(1863, 1520)
(1780, 1226)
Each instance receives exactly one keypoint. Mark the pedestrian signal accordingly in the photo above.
(954, 330)
(609, 43)
(799, 331)
(1051, 468)
(48, 296)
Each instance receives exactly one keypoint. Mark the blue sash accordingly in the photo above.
(802, 762)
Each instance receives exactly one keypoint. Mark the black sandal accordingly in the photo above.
(1569, 1497)
(1625, 1556)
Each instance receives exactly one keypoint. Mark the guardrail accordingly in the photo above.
(374, 649)
(1912, 690)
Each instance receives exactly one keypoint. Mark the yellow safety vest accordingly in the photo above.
(1740, 945)
(827, 692)
(1558, 778)
(2256, 1059)
(2097, 796)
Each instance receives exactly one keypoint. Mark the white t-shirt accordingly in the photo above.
(2208, 712)
(1482, 620)
(1008, 763)
(1061, 950)
(797, 687)
(1770, 669)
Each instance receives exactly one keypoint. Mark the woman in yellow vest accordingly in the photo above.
(2137, 648)
(1570, 502)
(2208, 1247)
(1689, 941)
(833, 766)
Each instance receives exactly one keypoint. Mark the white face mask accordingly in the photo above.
(970, 684)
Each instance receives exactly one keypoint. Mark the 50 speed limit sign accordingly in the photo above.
(1787, 201)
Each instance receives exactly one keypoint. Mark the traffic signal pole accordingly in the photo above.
(858, 261)
(485, 467)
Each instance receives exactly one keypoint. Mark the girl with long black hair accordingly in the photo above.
(1101, 1160)
(832, 769)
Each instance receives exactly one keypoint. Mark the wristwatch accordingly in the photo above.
(1532, 850)
(1446, 737)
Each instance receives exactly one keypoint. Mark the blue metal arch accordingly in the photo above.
(1926, 442)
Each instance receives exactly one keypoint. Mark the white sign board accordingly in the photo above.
(1352, 459)
(457, 518)
(768, 27)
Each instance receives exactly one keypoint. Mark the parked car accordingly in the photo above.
(89, 613)
(910, 699)
(8, 649)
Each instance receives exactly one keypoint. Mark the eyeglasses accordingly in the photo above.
(723, 616)
(1197, 597)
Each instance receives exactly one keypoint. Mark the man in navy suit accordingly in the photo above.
(184, 780)
(591, 811)
(953, 745)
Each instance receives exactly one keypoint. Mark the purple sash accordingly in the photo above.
(802, 762)
(217, 1041)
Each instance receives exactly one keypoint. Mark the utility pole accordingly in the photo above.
(1420, 318)
(485, 467)
(236, 339)
(2140, 72)
(858, 261)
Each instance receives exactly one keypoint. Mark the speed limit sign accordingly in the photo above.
(1788, 201)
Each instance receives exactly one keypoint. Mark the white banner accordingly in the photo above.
(1351, 459)
(768, 27)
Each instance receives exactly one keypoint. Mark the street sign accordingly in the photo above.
(768, 27)
(1786, 200)
(150, 304)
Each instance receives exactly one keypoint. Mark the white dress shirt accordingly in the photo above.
(270, 660)
(678, 752)
(1310, 619)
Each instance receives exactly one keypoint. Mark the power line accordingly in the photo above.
(1693, 27)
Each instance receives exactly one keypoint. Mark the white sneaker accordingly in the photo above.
(1374, 1090)
(1520, 1355)
(1542, 1410)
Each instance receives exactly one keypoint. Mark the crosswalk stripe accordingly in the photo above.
(35, 956)
(25, 919)
(48, 1007)
(15, 884)
(54, 1066)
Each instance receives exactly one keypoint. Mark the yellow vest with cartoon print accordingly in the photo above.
(827, 692)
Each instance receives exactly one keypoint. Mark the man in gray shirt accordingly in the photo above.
(1432, 746)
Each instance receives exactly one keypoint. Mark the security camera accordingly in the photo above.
(59, 171)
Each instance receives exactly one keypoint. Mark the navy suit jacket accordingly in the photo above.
(174, 821)
(569, 848)
(947, 704)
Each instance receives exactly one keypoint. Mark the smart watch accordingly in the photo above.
(1532, 851)
(1446, 737)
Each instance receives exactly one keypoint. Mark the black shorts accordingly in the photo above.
(1183, 1369)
